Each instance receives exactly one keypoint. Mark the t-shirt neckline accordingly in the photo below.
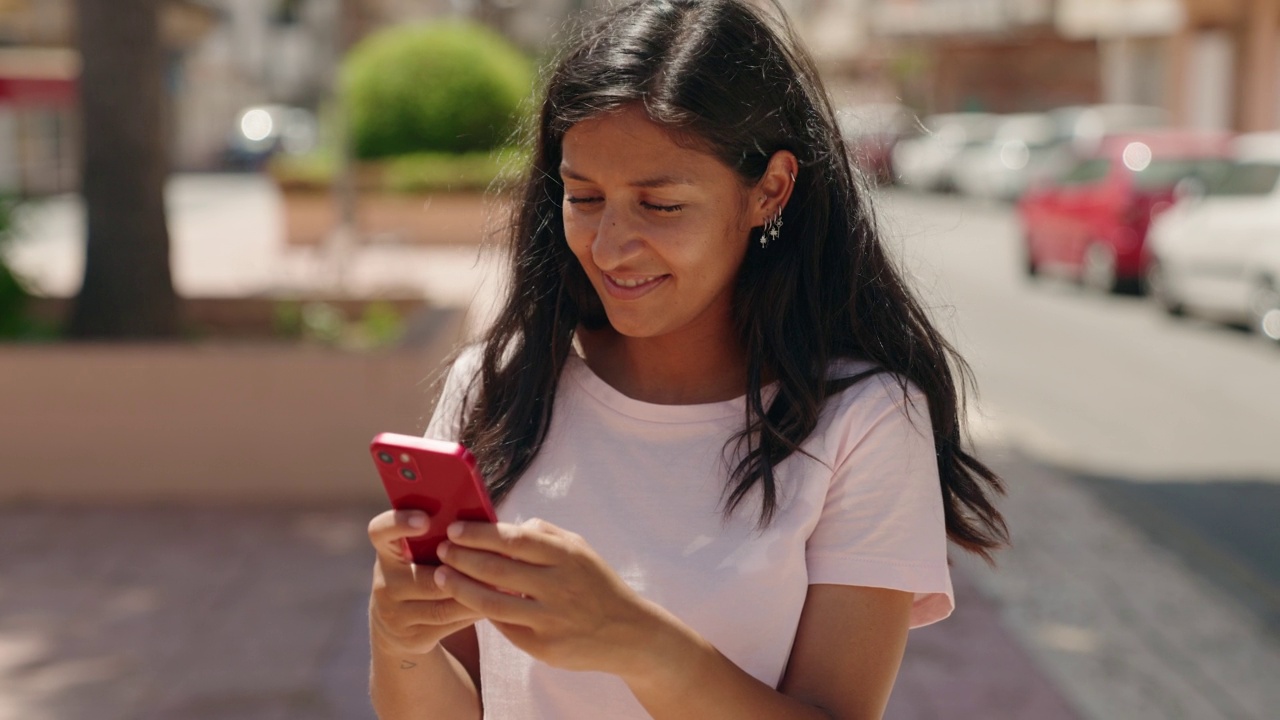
(615, 400)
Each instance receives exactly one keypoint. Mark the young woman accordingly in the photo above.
(722, 436)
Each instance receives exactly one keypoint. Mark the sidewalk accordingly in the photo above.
(188, 614)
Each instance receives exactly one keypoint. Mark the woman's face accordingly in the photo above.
(660, 229)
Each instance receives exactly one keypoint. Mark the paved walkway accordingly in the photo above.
(185, 614)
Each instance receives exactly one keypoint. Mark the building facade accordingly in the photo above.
(39, 73)
(1225, 65)
(1214, 64)
(988, 55)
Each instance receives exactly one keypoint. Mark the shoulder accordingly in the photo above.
(868, 389)
(459, 379)
(874, 405)
(466, 363)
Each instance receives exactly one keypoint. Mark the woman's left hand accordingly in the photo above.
(550, 594)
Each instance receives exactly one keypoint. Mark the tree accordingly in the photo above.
(128, 289)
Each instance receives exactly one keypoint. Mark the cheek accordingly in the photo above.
(578, 232)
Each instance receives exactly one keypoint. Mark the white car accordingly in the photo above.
(926, 162)
(1217, 253)
(1005, 167)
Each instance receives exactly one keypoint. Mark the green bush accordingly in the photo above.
(447, 87)
(413, 173)
(13, 296)
(427, 172)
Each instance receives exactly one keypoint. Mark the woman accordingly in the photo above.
(723, 438)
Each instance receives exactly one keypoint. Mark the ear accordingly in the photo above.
(773, 190)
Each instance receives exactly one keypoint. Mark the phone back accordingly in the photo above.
(434, 476)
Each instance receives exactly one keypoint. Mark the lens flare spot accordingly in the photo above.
(256, 125)
(1271, 324)
(1137, 156)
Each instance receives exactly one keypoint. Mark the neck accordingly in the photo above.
(667, 370)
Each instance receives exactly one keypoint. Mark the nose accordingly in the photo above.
(618, 239)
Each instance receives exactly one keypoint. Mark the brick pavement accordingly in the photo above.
(259, 614)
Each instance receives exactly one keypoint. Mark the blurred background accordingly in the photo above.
(239, 237)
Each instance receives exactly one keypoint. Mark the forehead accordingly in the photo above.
(627, 142)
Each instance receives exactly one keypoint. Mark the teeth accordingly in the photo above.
(632, 283)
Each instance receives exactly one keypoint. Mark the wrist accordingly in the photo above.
(387, 645)
(666, 656)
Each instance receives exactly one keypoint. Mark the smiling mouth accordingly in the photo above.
(633, 282)
(633, 287)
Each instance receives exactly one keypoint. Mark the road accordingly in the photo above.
(1181, 414)
(1143, 462)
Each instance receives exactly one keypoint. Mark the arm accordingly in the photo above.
(568, 609)
(424, 663)
(435, 684)
(848, 647)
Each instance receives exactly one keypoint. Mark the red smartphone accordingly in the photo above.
(437, 477)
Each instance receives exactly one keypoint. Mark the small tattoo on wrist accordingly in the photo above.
(408, 664)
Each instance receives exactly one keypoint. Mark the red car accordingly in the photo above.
(1091, 222)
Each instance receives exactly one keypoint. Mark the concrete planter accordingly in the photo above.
(253, 422)
(310, 215)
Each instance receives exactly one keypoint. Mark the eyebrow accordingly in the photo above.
(650, 183)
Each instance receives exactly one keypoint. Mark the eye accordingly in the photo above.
(662, 208)
(579, 200)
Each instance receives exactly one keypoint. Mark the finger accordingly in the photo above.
(388, 531)
(406, 581)
(532, 543)
(490, 603)
(496, 570)
(434, 613)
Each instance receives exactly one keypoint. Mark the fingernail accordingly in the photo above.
(439, 576)
(442, 549)
(417, 521)
(455, 530)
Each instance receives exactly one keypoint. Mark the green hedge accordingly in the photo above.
(13, 296)
(414, 173)
(445, 87)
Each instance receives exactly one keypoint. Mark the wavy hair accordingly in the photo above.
(729, 79)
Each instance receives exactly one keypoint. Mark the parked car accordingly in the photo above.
(1091, 223)
(1081, 128)
(871, 131)
(1003, 168)
(927, 161)
(1031, 148)
(1218, 254)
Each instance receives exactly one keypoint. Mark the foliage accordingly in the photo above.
(417, 172)
(449, 87)
(425, 172)
(314, 171)
(13, 294)
(379, 325)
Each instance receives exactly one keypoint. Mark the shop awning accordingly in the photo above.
(38, 76)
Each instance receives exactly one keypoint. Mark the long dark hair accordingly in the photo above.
(732, 81)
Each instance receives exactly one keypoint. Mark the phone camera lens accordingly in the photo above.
(385, 457)
(408, 474)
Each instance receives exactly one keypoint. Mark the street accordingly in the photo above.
(1182, 416)
(1140, 454)
(1144, 472)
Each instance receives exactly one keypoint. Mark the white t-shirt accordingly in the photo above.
(643, 485)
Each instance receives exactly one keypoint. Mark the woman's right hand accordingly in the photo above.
(408, 613)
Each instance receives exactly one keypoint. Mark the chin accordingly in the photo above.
(635, 327)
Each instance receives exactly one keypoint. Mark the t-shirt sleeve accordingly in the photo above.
(882, 523)
(446, 419)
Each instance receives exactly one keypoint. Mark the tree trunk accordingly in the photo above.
(127, 290)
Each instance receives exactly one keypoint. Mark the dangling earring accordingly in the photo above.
(772, 228)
